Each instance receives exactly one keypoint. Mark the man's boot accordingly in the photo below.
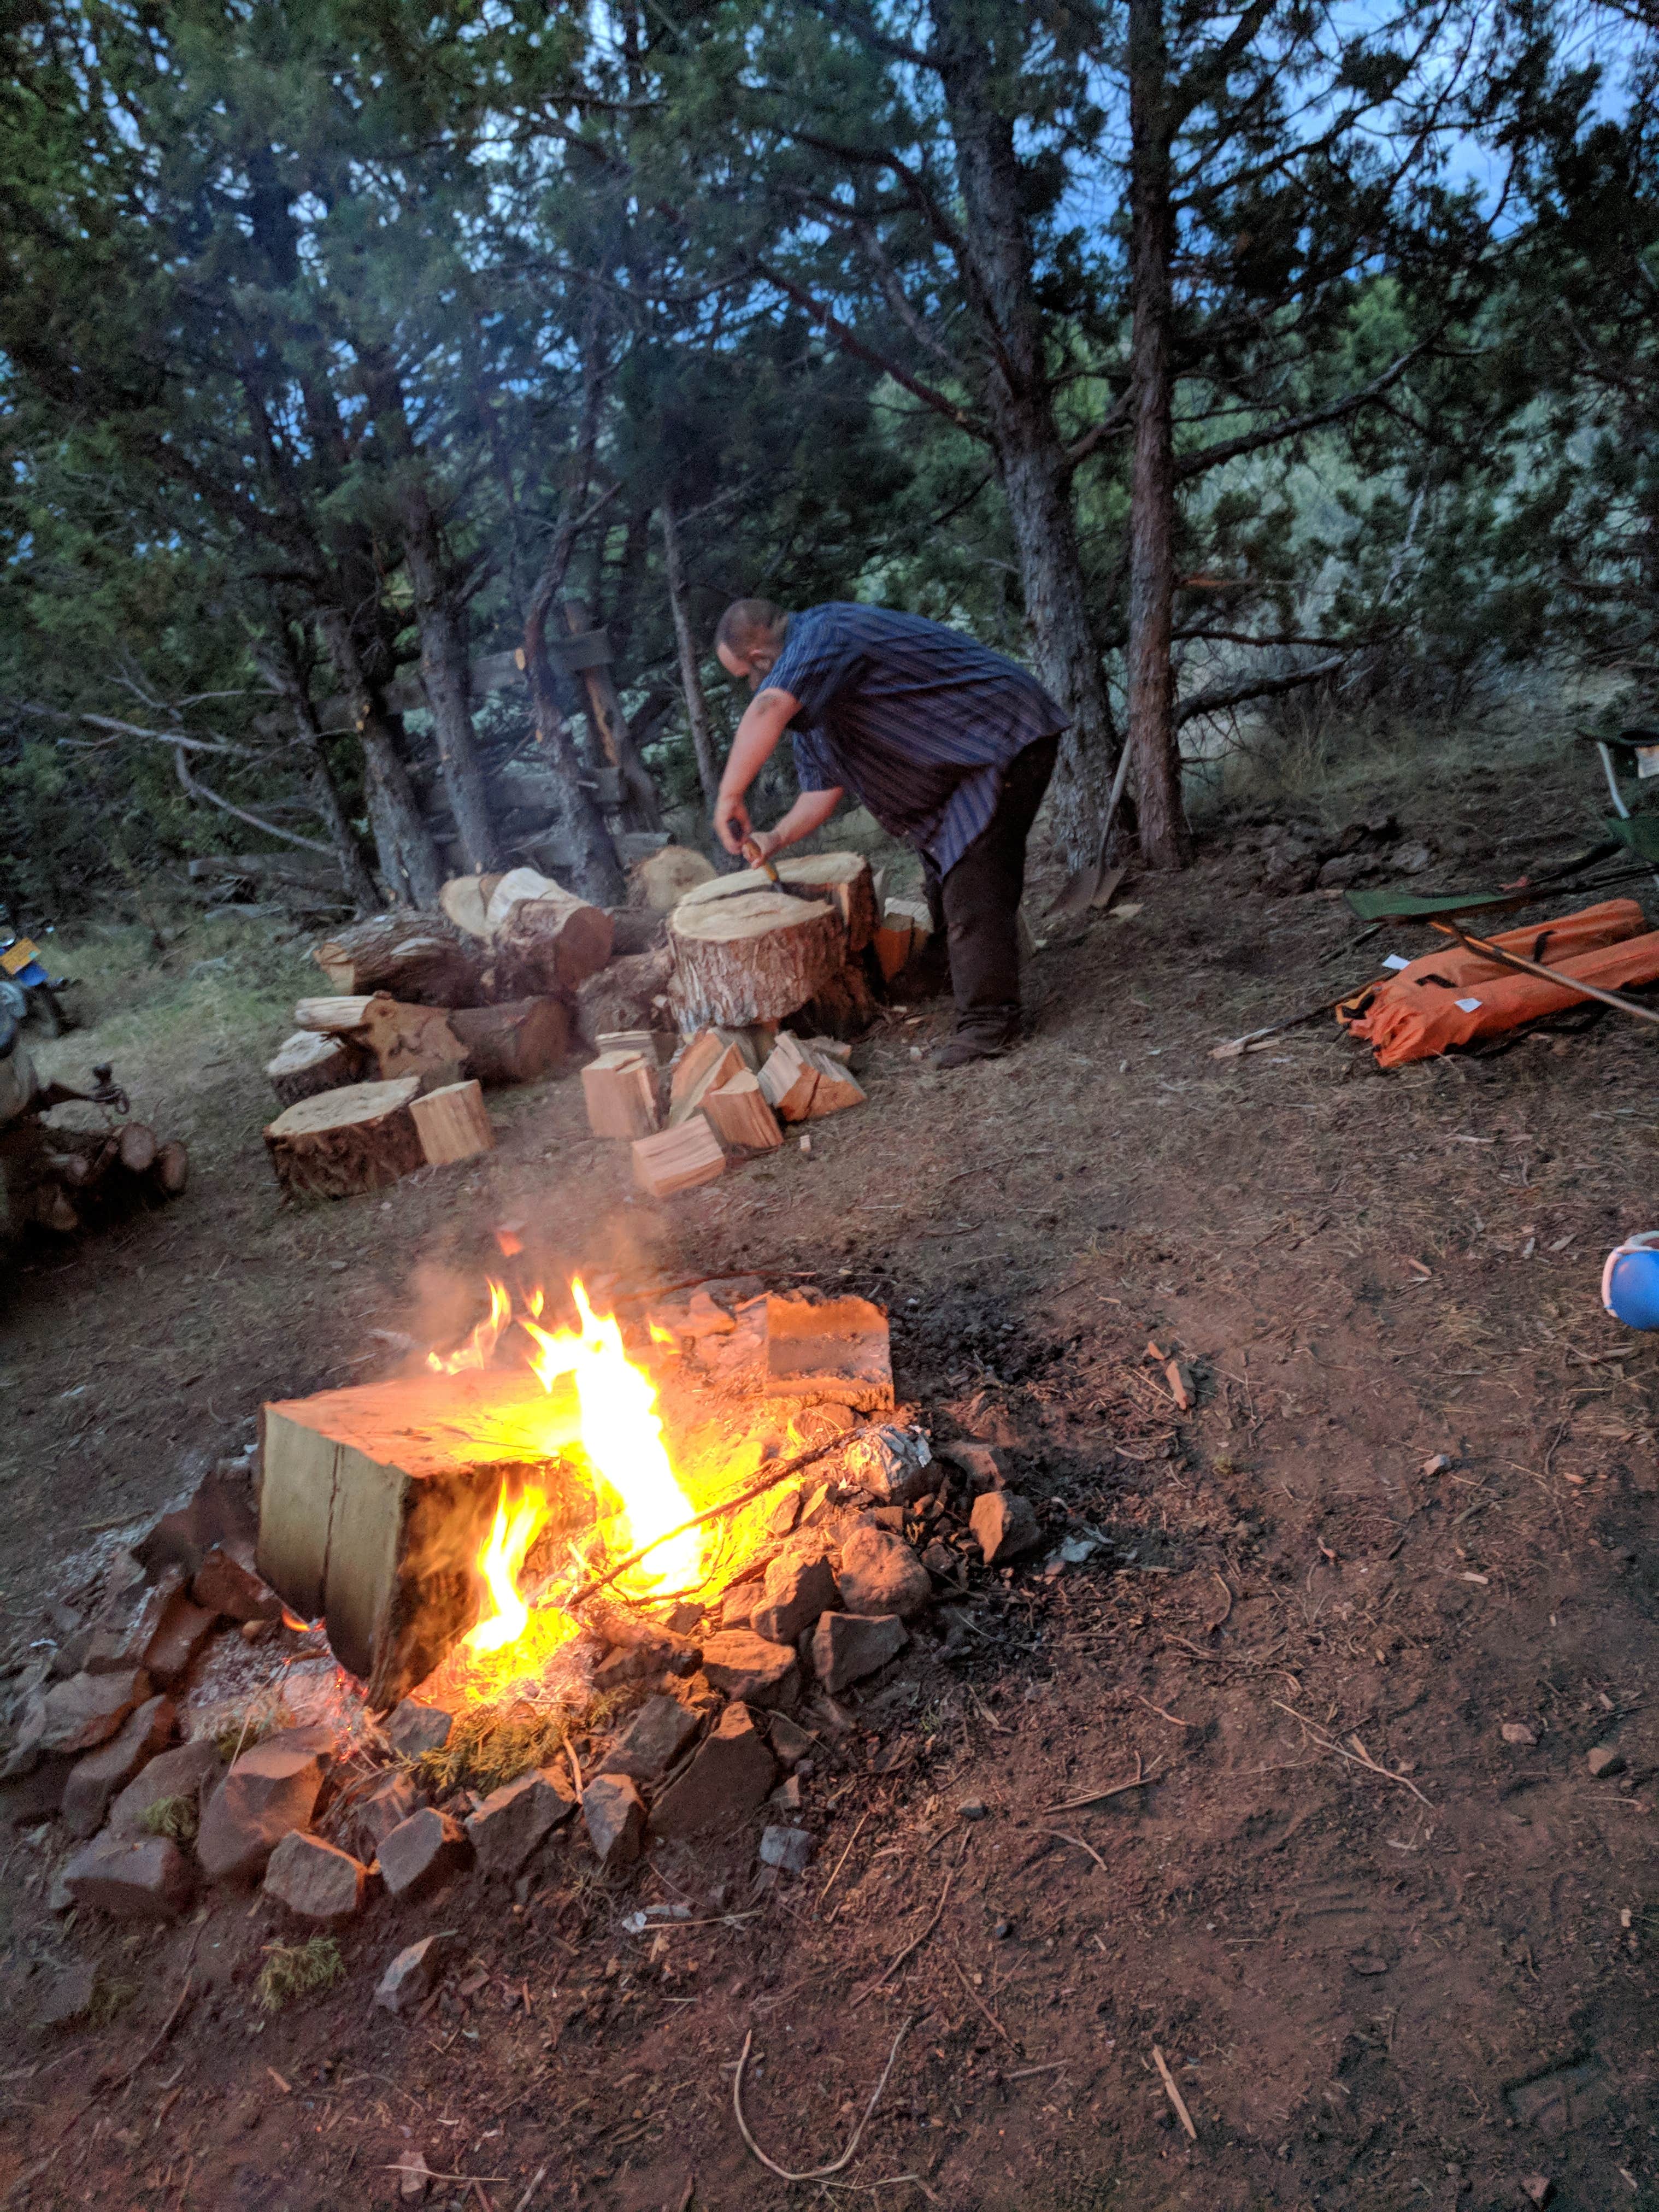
(980, 1039)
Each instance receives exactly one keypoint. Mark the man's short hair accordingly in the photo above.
(749, 623)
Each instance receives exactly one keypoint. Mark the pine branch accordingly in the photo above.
(1220, 696)
(1191, 465)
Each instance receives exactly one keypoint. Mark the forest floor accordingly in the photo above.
(1414, 1503)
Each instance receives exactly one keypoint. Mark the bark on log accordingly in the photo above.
(552, 941)
(752, 958)
(843, 877)
(421, 958)
(310, 1062)
(626, 995)
(519, 1040)
(359, 1139)
(393, 1039)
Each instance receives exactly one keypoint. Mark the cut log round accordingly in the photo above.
(519, 1040)
(419, 957)
(171, 1169)
(553, 942)
(311, 1061)
(359, 1139)
(452, 1123)
(662, 878)
(463, 901)
(754, 957)
(139, 1148)
(843, 877)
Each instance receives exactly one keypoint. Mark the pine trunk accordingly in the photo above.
(409, 858)
(642, 809)
(578, 826)
(445, 678)
(1165, 842)
(696, 705)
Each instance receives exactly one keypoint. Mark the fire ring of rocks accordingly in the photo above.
(617, 1577)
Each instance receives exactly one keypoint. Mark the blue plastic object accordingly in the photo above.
(1629, 1281)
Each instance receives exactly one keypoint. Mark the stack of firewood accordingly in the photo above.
(501, 984)
(67, 1179)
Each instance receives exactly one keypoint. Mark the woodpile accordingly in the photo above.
(67, 1179)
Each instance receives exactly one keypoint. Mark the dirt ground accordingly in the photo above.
(1392, 1956)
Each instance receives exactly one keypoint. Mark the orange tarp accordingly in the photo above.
(1448, 998)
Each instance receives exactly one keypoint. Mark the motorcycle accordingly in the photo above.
(26, 988)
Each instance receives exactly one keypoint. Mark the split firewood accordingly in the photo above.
(369, 1496)
(310, 1061)
(343, 1141)
(619, 1090)
(711, 1058)
(801, 1082)
(679, 1158)
(393, 1039)
(905, 927)
(843, 878)
(661, 880)
(548, 941)
(655, 1044)
(139, 1148)
(418, 958)
(519, 1040)
(738, 1114)
(453, 1124)
(756, 956)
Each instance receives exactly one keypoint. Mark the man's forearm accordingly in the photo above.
(764, 722)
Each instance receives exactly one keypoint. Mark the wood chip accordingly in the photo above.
(1175, 2097)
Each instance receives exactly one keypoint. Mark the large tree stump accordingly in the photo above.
(754, 956)
(843, 877)
(519, 1040)
(345, 1141)
(418, 958)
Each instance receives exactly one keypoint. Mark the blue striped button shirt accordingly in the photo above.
(916, 721)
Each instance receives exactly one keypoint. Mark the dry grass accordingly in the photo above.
(298, 1969)
(176, 1818)
(490, 1746)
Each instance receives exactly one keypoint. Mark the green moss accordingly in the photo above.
(298, 1969)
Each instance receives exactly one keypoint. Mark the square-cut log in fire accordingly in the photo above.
(375, 1502)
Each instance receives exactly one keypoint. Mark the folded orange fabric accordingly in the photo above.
(1449, 998)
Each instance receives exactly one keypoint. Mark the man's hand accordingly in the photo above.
(731, 821)
(761, 844)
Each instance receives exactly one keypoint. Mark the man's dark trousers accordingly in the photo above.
(976, 907)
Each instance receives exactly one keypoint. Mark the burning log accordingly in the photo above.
(345, 1141)
(416, 956)
(452, 1123)
(376, 1503)
(391, 1039)
(519, 1041)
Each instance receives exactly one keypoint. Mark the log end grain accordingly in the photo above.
(357, 1139)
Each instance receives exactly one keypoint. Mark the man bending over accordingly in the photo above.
(949, 746)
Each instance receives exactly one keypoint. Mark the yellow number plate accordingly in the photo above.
(18, 956)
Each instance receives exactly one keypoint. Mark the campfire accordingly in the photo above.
(459, 1517)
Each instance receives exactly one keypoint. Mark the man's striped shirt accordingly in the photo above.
(917, 721)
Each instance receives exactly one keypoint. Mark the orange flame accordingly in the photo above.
(517, 1525)
(661, 1335)
(623, 1438)
(479, 1348)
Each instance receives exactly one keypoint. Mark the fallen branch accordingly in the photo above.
(1360, 1757)
(822, 2172)
(841, 1861)
(974, 1997)
(1175, 2097)
(779, 1473)
(1061, 1837)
